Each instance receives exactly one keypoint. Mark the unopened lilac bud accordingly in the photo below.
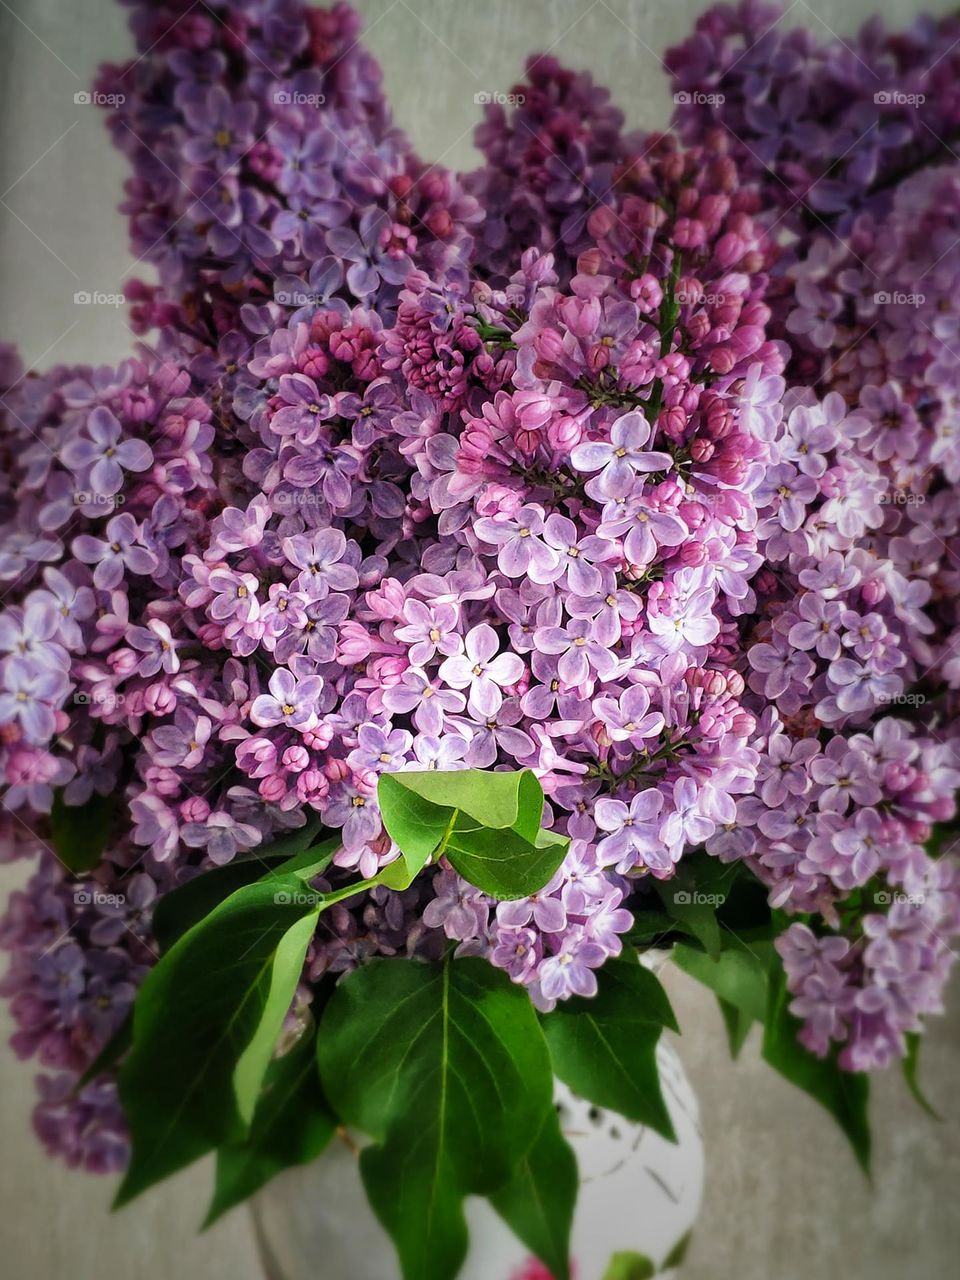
(273, 788)
(194, 809)
(123, 662)
(295, 759)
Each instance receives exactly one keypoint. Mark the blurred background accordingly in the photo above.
(784, 1199)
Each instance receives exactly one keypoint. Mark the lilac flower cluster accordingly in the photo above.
(552, 584)
(853, 657)
(266, 168)
(548, 163)
(823, 125)
(430, 473)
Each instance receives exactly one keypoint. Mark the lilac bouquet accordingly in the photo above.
(471, 582)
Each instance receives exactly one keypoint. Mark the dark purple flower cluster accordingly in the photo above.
(823, 125)
(552, 152)
(265, 165)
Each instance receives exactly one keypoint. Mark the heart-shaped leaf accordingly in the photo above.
(738, 976)
(692, 907)
(604, 1048)
(911, 1063)
(486, 823)
(494, 798)
(628, 1265)
(445, 1067)
(738, 1026)
(416, 825)
(503, 863)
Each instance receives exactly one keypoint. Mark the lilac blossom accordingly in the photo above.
(290, 701)
(104, 455)
(479, 671)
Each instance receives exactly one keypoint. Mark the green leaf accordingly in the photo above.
(445, 1067)
(738, 976)
(740, 979)
(738, 1025)
(205, 1024)
(291, 1126)
(911, 1064)
(416, 825)
(187, 905)
(80, 833)
(537, 1203)
(628, 1265)
(845, 1094)
(503, 863)
(486, 823)
(693, 901)
(111, 1053)
(679, 1251)
(498, 799)
(604, 1048)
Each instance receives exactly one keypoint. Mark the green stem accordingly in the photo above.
(348, 891)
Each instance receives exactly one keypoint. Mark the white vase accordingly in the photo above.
(638, 1193)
